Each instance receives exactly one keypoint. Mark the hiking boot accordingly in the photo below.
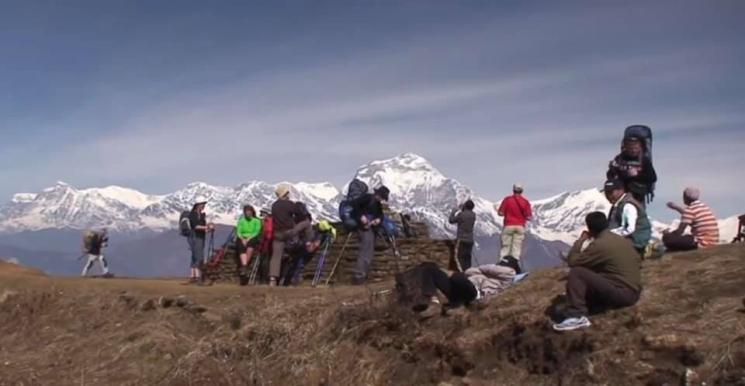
(570, 324)
(431, 311)
(273, 282)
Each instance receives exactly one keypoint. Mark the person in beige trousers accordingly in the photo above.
(516, 211)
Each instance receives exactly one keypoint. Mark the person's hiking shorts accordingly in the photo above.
(241, 248)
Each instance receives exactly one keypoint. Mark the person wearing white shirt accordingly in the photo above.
(627, 217)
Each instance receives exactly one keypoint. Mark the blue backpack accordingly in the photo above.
(356, 189)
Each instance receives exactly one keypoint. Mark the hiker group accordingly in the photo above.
(604, 262)
(276, 247)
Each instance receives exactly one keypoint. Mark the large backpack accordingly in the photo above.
(356, 189)
(90, 237)
(184, 224)
(644, 133)
(267, 235)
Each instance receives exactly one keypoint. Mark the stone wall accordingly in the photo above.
(413, 250)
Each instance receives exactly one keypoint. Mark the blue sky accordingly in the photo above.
(157, 94)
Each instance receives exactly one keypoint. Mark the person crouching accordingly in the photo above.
(607, 274)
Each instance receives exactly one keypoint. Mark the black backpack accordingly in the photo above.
(644, 133)
(184, 224)
(302, 212)
(357, 189)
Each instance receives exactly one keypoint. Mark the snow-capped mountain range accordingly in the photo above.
(416, 187)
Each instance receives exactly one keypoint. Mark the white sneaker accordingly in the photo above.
(570, 324)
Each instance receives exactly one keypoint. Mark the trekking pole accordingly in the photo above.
(321, 262)
(456, 256)
(254, 269)
(338, 259)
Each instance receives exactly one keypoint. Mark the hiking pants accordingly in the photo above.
(512, 241)
(196, 244)
(278, 246)
(367, 251)
(675, 242)
(587, 290)
(465, 250)
(433, 279)
(92, 259)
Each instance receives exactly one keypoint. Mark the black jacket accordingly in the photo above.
(646, 177)
(196, 220)
(366, 205)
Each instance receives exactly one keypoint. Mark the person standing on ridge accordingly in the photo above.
(627, 217)
(367, 209)
(199, 230)
(93, 245)
(697, 215)
(465, 218)
(633, 166)
(517, 212)
(284, 215)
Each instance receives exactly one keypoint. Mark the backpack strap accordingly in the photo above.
(520, 207)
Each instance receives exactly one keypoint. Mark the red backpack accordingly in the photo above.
(267, 235)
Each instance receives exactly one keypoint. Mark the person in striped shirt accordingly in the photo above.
(697, 215)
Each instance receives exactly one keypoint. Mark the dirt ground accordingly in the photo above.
(688, 327)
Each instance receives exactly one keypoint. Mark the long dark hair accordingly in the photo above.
(251, 208)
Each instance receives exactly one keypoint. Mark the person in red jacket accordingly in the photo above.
(516, 212)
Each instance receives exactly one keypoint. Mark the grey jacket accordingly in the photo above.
(465, 220)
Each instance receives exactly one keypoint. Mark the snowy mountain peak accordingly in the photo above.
(20, 198)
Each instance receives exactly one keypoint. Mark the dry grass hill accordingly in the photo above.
(688, 327)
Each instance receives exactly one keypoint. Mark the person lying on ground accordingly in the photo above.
(627, 217)
(633, 168)
(697, 215)
(607, 274)
(248, 237)
(464, 217)
(424, 281)
(368, 210)
(284, 215)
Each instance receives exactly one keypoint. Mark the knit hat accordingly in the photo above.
(692, 193)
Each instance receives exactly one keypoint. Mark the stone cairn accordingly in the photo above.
(413, 250)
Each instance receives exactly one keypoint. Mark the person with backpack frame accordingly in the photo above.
(517, 212)
(193, 225)
(366, 212)
(93, 244)
(634, 164)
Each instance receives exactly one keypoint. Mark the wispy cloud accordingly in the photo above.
(490, 95)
